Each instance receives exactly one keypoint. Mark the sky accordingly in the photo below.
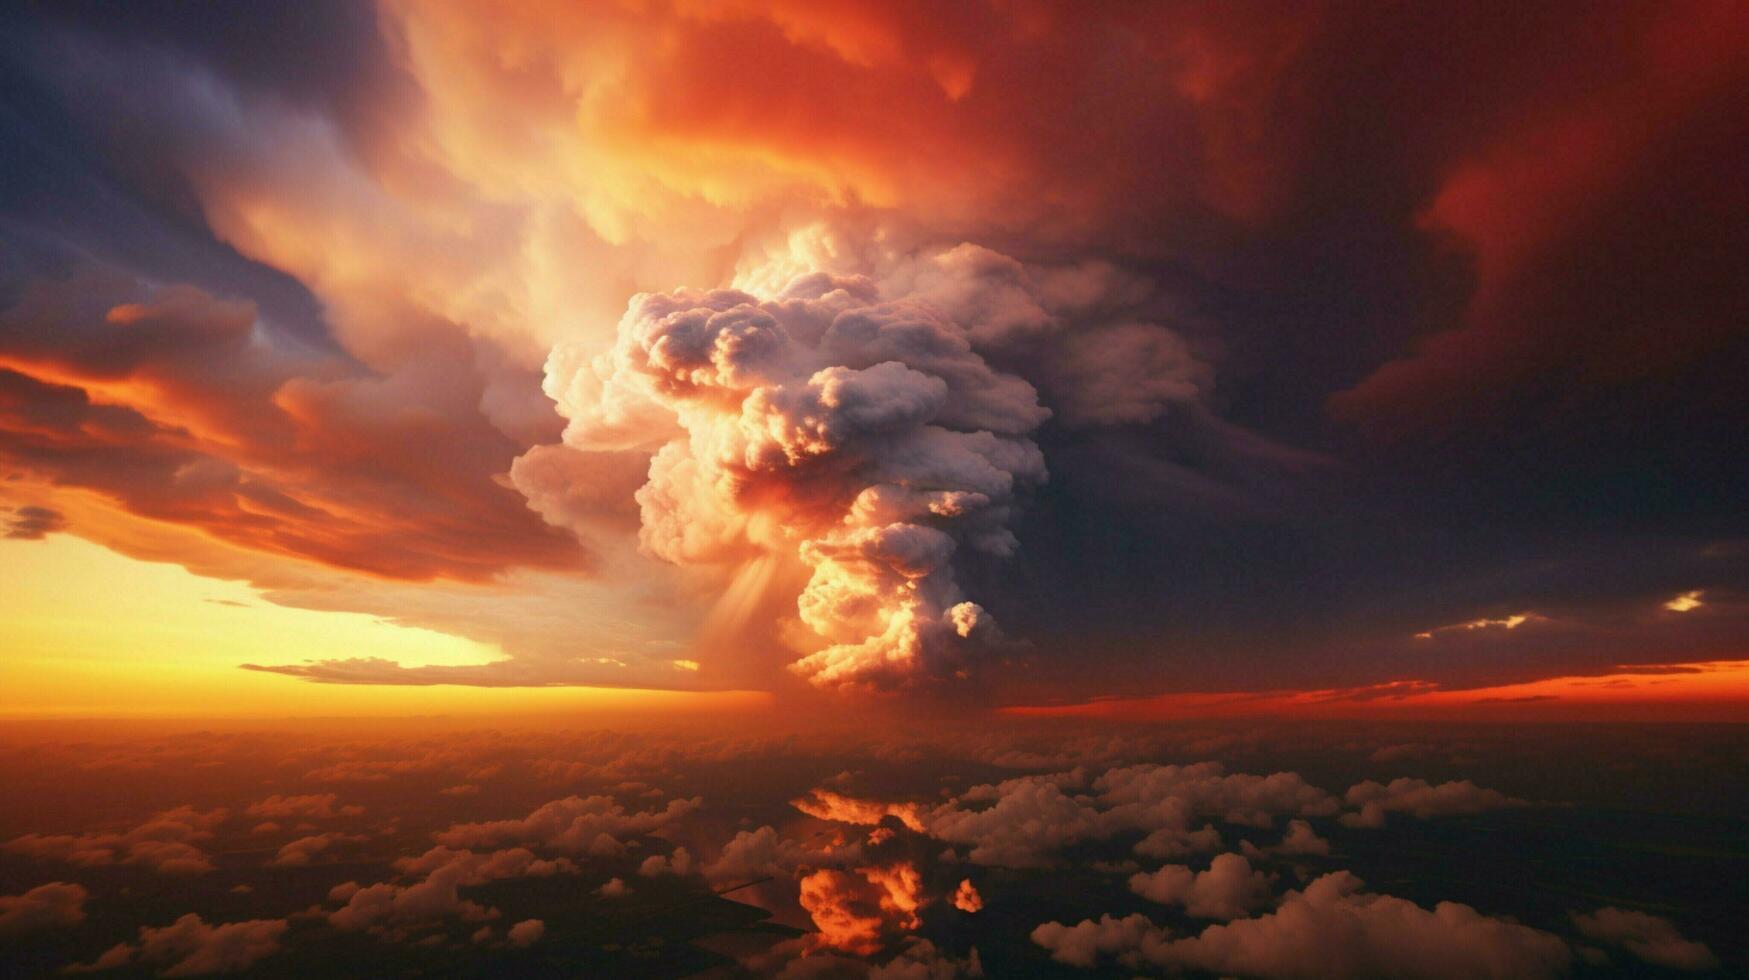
(1139, 361)
(874, 489)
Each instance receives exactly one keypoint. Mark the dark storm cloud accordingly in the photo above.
(320, 52)
(31, 523)
(72, 191)
(1498, 291)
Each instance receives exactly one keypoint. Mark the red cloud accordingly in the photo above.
(174, 405)
(860, 911)
(47, 906)
(1600, 214)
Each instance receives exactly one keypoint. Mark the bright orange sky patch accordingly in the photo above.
(1713, 691)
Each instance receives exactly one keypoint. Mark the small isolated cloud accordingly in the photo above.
(190, 947)
(387, 907)
(526, 933)
(679, 863)
(386, 904)
(301, 852)
(54, 905)
(1171, 842)
(1420, 799)
(861, 911)
(1085, 942)
(614, 888)
(1649, 938)
(1229, 889)
(1400, 752)
(474, 868)
(1300, 840)
(920, 959)
(592, 824)
(758, 853)
(32, 523)
(165, 843)
(1686, 602)
(511, 672)
(1508, 623)
(1330, 929)
(317, 806)
(827, 805)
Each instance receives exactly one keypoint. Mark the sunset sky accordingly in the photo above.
(1299, 358)
(874, 489)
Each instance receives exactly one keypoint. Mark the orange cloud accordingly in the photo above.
(1564, 312)
(827, 805)
(1060, 119)
(164, 402)
(845, 910)
(902, 885)
(966, 897)
(859, 911)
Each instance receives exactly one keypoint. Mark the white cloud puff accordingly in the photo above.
(1420, 799)
(1332, 928)
(1229, 889)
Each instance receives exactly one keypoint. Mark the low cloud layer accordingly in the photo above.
(1649, 938)
(1331, 928)
(585, 846)
(192, 947)
(169, 843)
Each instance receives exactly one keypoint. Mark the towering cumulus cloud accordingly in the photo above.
(854, 429)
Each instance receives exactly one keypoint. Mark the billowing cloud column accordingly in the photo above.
(858, 434)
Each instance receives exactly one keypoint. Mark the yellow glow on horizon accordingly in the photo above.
(1725, 680)
(85, 631)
